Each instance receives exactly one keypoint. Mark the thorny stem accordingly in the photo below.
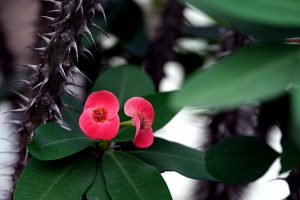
(161, 47)
(57, 65)
(239, 122)
(7, 69)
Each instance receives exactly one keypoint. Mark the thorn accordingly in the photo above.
(26, 99)
(62, 123)
(71, 76)
(88, 39)
(61, 70)
(41, 84)
(16, 122)
(38, 85)
(66, 17)
(15, 110)
(100, 8)
(54, 11)
(72, 94)
(92, 10)
(52, 19)
(8, 140)
(33, 67)
(50, 34)
(85, 50)
(40, 50)
(11, 151)
(15, 132)
(57, 3)
(86, 56)
(26, 153)
(47, 40)
(21, 104)
(7, 196)
(55, 108)
(31, 104)
(28, 83)
(100, 29)
(73, 84)
(79, 5)
(76, 70)
(87, 30)
(81, 10)
(74, 46)
(59, 22)
(34, 77)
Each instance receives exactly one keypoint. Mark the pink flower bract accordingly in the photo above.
(99, 119)
(142, 113)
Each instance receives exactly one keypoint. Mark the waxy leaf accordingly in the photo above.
(125, 82)
(268, 19)
(52, 142)
(125, 134)
(56, 180)
(290, 140)
(129, 178)
(290, 158)
(98, 189)
(295, 120)
(252, 74)
(162, 109)
(239, 159)
(171, 156)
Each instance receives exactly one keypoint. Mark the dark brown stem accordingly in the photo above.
(161, 47)
(58, 57)
(243, 121)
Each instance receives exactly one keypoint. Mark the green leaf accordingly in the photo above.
(290, 158)
(56, 180)
(129, 178)
(72, 102)
(290, 141)
(295, 103)
(125, 134)
(239, 159)
(252, 74)
(170, 156)
(125, 82)
(52, 142)
(98, 189)
(162, 110)
(268, 19)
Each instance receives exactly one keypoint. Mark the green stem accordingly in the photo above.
(127, 123)
(104, 144)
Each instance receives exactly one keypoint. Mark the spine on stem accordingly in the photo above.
(70, 20)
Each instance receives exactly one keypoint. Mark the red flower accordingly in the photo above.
(142, 114)
(99, 119)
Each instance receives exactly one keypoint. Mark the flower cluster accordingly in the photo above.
(100, 120)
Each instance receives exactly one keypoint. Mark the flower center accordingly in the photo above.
(100, 114)
(143, 121)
